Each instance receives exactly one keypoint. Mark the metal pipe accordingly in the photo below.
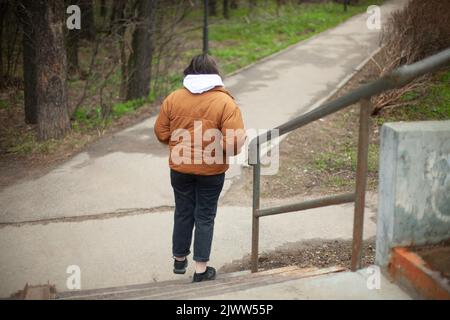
(361, 181)
(255, 206)
(310, 204)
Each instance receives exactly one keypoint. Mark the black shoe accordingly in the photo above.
(209, 274)
(179, 267)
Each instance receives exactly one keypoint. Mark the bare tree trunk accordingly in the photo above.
(45, 49)
(251, 6)
(116, 11)
(103, 8)
(280, 3)
(88, 30)
(234, 4)
(72, 45)
(29, 64)
(72, 52)
(212, 4)
(117, 20)
(3, 10)
(139, 65)
(226, 11)
(10, 36)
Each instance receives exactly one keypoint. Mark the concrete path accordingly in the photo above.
(281, 283)
(136, 249)
(340, 286)
(129, 170)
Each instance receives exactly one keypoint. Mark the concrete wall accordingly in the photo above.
(414, 187)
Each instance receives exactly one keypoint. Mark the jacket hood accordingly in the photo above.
(199, 83)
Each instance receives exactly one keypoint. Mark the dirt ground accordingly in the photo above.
(314, 253)
(437, 257)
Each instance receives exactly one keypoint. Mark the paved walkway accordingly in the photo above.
(128, 173)
(342, 285)
(281, 283)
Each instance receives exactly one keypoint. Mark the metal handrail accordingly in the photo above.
(396, 79)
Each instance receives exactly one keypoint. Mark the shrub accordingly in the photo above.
(421, 29)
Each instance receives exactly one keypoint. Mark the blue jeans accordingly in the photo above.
(196, 200)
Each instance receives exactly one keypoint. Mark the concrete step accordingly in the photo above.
(182, 289)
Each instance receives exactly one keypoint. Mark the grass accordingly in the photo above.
(3, 104)
(322, 158)
(244, 40)
(339, 167)
(345, 159)
(429, 103)
(122, 108)
(24, 144)
(27, 144)
(92, 118)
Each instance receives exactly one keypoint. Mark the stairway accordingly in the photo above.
(184, 289)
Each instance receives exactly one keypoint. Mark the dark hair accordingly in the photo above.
(202, 64)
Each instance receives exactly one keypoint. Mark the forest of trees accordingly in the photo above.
(135, 39)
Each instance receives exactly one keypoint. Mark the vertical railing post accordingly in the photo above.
(255, 206)
(361, 181)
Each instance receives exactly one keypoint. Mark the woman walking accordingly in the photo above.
(203, 127)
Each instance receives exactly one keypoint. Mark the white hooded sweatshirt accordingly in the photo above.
(199, 83)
